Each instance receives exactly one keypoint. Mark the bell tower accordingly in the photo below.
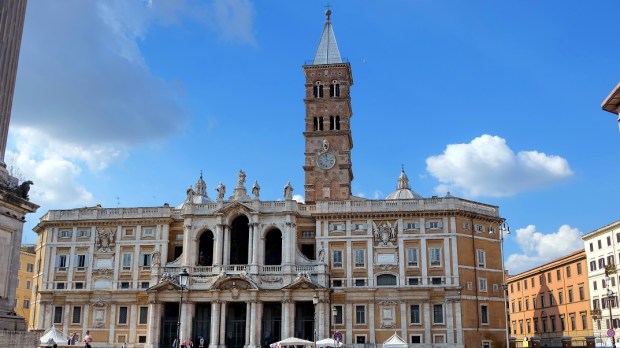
(327, 168)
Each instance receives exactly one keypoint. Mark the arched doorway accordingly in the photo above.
(205, 249)
(273, 247)
(239, 240)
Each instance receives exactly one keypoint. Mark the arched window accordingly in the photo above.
(320, 91)
(338, 122)
(321, 123)
(316, 123)
(315, 91)
(386, 280)
(332, 124)
(334, 89)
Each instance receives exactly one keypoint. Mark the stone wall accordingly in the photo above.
(25, 339)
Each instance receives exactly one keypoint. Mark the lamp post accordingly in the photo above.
(504, 229)
(334, 314)
(610, 295)
(183, 278)
(315, 301)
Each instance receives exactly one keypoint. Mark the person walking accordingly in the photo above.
(87, 339)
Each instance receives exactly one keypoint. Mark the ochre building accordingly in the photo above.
(25, 287)
(551, 301)
(260, 271)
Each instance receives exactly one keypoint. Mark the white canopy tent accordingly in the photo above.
(292, 341)
(327, 342)
(53, 336)
(395, 342)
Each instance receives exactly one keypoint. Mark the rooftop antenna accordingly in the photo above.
(118, 202)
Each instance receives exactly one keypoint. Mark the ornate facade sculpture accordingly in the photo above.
(156, 258)
(241, 178)
(288, 191)
(221, 191)
(105, 239)
(256, 190)
(384, 233)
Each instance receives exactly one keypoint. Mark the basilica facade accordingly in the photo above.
(427, 269)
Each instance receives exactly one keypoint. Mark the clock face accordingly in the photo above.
(326, 160)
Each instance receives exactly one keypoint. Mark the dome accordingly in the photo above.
(403, 191)
(199, 196)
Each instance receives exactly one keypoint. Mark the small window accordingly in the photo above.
(386, 280)
(27, 284)
(83, 233)
(338, 317)
(26, 304)
(360, 282)
(434, 225)
(435, 257)
(125, 285)
(414, 314)
(62, 262)
(360, 258)
(148, 231)
(337, 258)
(360, 315)
(29, 267)
(465, 226)
(80, 262)
(337, 283)
(144, 285)
(145, 260)
(484, 314)
(60, 286)
(438, 314)
(436, 280)
(307, 234)
(57, 314)
(416, 339)
(79, 285)
(76, 318)
(141, 339)
(144, 311)
(482, 284)
(481, 258)
(64, 234)
(412, 226)
(579, 268)
(126, 262)
(122, 315)
(412, 257)
(128, 232)
(478, 228)
(413, 281)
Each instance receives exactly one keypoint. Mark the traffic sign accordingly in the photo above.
(338, 336)
(611, 333)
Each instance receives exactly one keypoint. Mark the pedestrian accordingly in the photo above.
(184, 344)
(174, 343)
(71, 340)
(201, 342)
(191, 344)
(87, 339)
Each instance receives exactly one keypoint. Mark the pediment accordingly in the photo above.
(235, 208)
(303, 281)
(233, 283)
(164, 285)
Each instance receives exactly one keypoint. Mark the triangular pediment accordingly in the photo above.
(303, 281)
(164, 284)
(235, 208)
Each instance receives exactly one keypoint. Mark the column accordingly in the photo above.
(446, 261)
(427, 322)
(222, 337)
(187, 244)
(252, 319)
(250, 243)
(286, 318)
(349, 314)
(320, 317)
(66, 317)
(255, 243)
(248, 321)
(286, 247)
(423, 260)
(86, 315)
(186, 319)
(371, 326)
(112, 322)
(133, 321)
(259, 323)
(403, 320)
(154, 321)
(165, 232)
(215, 324)
(459, 324)
(449, 322)
(219, 245)
(226, 251)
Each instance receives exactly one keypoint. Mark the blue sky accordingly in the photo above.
(124, 103)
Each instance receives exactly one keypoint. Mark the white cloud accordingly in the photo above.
(539, 248)
(488, 167)
(299, 199)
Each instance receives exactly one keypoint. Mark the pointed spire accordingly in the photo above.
(328, 52)
(403, 180)
(201, 186)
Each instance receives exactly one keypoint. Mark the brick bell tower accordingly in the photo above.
(328, 172)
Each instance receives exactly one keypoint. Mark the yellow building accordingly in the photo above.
(25, 282)
(552, 300)
(428, 269)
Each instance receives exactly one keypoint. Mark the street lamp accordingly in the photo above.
(315, 301)
(610, 295)
(183, 278)
(334, 314)
(504, 229)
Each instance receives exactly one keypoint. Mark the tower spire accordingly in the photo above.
(327, 52)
